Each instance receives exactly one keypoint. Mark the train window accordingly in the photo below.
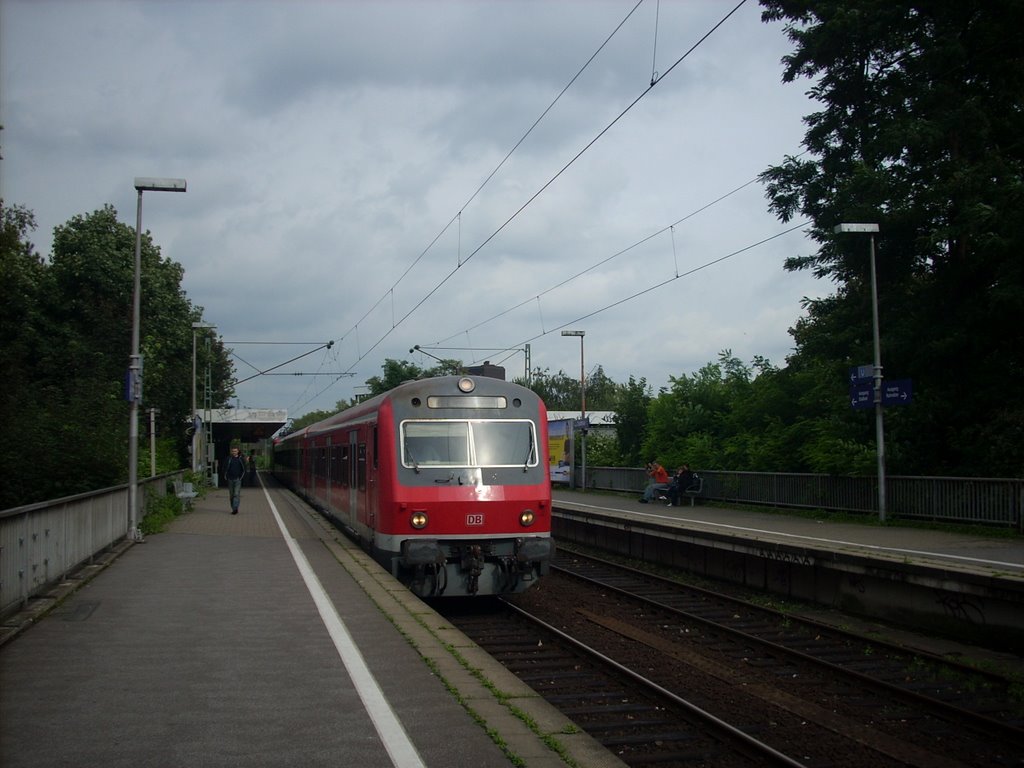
(435, 443)
(504, 443)
(361, 467)
(481, 443)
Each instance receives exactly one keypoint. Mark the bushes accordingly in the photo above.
(160, 512)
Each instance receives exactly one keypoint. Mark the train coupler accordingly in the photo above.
(473, 564)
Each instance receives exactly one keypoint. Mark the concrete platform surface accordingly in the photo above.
(263, 639)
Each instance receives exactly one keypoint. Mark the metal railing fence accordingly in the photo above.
(964, 500)
(41, 543)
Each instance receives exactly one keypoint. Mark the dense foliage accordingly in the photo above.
(65, 339)
(922, 132)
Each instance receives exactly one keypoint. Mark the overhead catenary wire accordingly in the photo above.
(618, 302)
(562, 170)
(660, 284)
(650, 288)
(602, 262)
(457, 218)
(447, 277)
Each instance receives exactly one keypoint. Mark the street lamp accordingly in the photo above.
(197, 442)
(872, 229)
(142, 184)
(583, 409)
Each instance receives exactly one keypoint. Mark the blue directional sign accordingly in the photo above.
(862, 396)
(861, 374)
(894, 392)
(897, 392)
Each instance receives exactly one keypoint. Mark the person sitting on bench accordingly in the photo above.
(682, 480)
(658, 482)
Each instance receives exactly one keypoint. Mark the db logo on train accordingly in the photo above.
(476, 519)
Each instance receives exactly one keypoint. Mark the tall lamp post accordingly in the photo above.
(197, 442)
(583, 409)
(872, 229)
(142, 184)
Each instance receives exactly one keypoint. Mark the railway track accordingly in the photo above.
(633, 716)
(817, 695)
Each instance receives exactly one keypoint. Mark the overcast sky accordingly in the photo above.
(339, 159)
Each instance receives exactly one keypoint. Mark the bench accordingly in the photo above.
(694, 488)
(185, 492)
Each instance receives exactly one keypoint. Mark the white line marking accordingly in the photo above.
(894, 550)
(392, 735)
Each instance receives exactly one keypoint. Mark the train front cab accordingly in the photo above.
(466, 504)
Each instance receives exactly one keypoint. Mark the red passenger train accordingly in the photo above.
(443, 480)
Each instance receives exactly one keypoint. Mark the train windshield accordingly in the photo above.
(465, 443)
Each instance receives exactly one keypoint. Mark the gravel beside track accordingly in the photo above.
(818, 695)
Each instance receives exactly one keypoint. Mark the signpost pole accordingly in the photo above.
(871, 229)
(879, 427)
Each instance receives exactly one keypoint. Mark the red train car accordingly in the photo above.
(444, 480)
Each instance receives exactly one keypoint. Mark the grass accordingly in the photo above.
(160, 512)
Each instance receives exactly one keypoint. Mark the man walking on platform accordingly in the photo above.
(234, 473)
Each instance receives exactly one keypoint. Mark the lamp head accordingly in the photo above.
(840, 229)
(149, 184)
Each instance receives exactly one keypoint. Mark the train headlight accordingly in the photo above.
(526, 518)
(418, 520)
(466, 385)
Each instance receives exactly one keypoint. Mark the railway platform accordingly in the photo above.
(262, 639)
(967, 586)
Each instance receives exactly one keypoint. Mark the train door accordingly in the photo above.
(364, 507)
(328, 486)
(337, 479)
(319, 486)
(373, 485)
(313, 469)
(308, 456)
(353, 477)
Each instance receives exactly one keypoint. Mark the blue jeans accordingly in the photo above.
(652, 490)
(235, 492)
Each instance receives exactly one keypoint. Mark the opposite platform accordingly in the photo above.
(996, 555)
(263, 639)
(964, 586)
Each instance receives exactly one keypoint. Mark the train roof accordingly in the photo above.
(432, 384)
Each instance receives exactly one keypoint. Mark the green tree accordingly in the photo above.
(602, 450)
(312, 417)
(631, 406)
(395, 372)
(24, 287)
(559, 391)
(920, 131)
(602, 392)
(67, 339)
